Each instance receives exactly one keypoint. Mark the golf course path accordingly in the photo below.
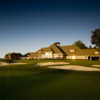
(75, 67)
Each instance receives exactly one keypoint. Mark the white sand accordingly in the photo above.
(75, 67)
(52, 63)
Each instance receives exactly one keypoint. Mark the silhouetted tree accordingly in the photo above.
(27, 54)
(95, 38)
(14, 56)
(80, 44)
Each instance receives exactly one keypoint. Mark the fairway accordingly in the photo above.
(29, 82)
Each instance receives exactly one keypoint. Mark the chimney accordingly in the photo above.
(57, 43)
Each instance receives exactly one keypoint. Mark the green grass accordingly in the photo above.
(2, 60)
(84, 62)
(35, 61)
(72, 62)
(29, 82)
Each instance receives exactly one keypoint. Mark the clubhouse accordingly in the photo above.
(56, 51)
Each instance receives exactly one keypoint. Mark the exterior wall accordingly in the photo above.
(56, 56)
(76, 57)
(50, 55)
(79, 57)
(47, 55)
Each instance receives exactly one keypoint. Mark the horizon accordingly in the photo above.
(28, 25)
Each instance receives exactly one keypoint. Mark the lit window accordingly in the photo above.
(73, 57)
(72, 50)
(96, 52)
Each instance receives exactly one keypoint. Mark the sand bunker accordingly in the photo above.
(75, 67)
(4, 64)
(52, 63)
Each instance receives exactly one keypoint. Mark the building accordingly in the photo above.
(56, 51)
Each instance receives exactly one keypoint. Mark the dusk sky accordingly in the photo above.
(27, 25)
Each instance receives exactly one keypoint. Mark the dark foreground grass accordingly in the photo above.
(29, 82)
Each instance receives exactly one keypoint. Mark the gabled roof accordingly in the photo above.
(55, 49)
(52, 48)
(43, 50)
(67, 50)
(70, 49)
(79, 52)
(90, 52)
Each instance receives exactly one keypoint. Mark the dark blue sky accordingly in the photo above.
(27, 25)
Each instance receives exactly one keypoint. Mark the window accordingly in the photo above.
(72, 50)
(48, 54)
(73, 57)
(96, 52)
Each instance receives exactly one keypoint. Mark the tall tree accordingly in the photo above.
(80, 44)
(95, 38)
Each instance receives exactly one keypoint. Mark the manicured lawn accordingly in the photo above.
(84, 62)
(35, 61)
(29, 82)
(72, 62)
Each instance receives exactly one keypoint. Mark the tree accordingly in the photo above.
(95, 38)
(14, 56)
(80, 44)
(27, 54)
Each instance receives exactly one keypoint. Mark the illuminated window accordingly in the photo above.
(96, 52)
(48, 54)
(72, 50)
(73, 57)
